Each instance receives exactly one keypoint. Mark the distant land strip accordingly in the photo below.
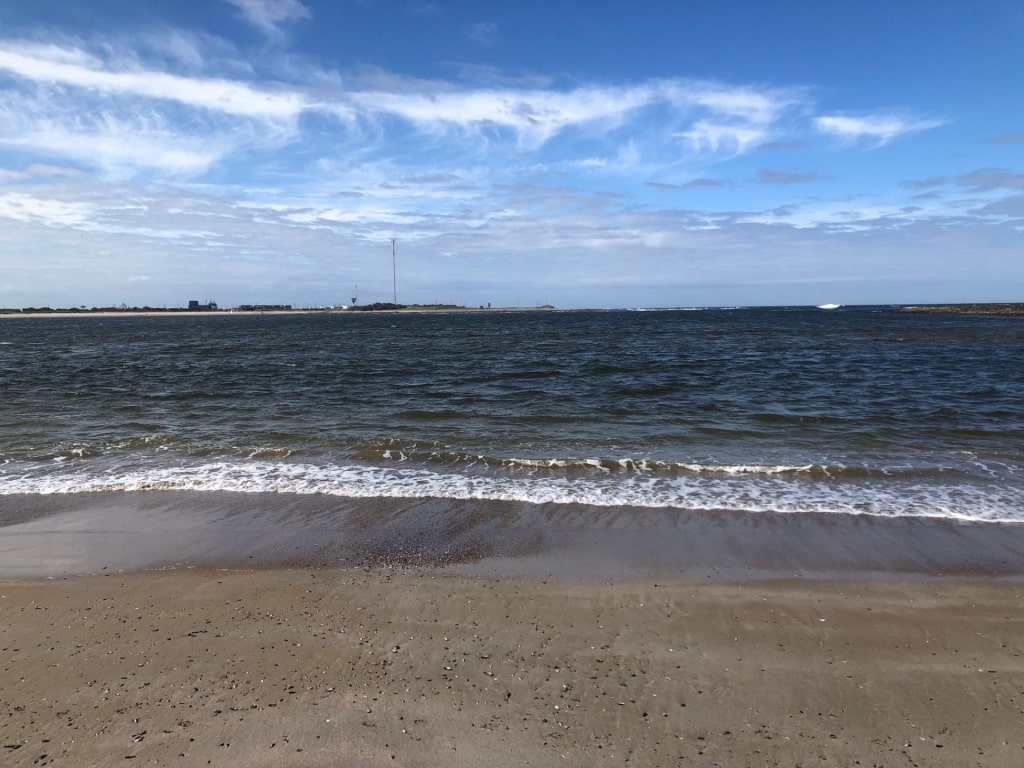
(282, 309)
(968, 309)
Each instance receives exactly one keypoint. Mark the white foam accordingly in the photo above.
(747, 489)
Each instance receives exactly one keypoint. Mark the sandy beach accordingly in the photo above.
(223, 629)
(373, 667)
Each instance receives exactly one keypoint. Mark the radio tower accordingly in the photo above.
(394, 274)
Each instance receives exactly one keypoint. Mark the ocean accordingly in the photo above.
(862, 411)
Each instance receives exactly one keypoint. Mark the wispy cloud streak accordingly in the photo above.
(102, 93)
(880, 129)
(50, 65)
(268, 15)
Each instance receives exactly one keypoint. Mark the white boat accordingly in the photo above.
(829, 306)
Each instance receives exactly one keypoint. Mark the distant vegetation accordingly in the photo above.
(384, 305)
(378, 305)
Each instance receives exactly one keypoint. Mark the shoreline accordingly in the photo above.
(1009, 309)
(255, 629)
(274, 312)
(307, 667)
(67, 534)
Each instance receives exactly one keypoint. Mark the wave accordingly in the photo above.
(573, 466)
(737, 488)
(164, 449)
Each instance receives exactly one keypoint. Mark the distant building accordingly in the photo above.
(195, 306)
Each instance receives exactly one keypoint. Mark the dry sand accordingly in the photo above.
(373, 667)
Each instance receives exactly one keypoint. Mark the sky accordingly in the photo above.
(649, 153)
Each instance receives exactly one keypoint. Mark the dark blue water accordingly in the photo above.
(856, 410)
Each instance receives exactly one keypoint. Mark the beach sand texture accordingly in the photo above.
(375, 667)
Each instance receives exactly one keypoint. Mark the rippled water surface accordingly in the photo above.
(854, 410)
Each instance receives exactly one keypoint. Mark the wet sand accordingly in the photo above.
(222, 629)
(58, 535)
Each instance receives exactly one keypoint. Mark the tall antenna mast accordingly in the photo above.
(394, 273)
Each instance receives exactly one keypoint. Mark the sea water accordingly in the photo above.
(861, 410)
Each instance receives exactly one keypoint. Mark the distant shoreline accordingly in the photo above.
(1004, 309)
(247, 313)
(966, 309)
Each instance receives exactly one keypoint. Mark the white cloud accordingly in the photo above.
(121, 145)
(243, 169)
(533, 116)
(44, 169)
(729, 120)
(35, 210)
(62, 96)
(269, 14)
(65, 102)
(879, 128)
(39, 170)
(712, 137)
(758, 107)
(50, 65)
(484, 33)
(733, 119)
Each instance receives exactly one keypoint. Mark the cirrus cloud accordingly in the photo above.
(880, 129)
(267, 15)
(82, 101)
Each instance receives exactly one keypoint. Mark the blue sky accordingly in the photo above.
(581, 154)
